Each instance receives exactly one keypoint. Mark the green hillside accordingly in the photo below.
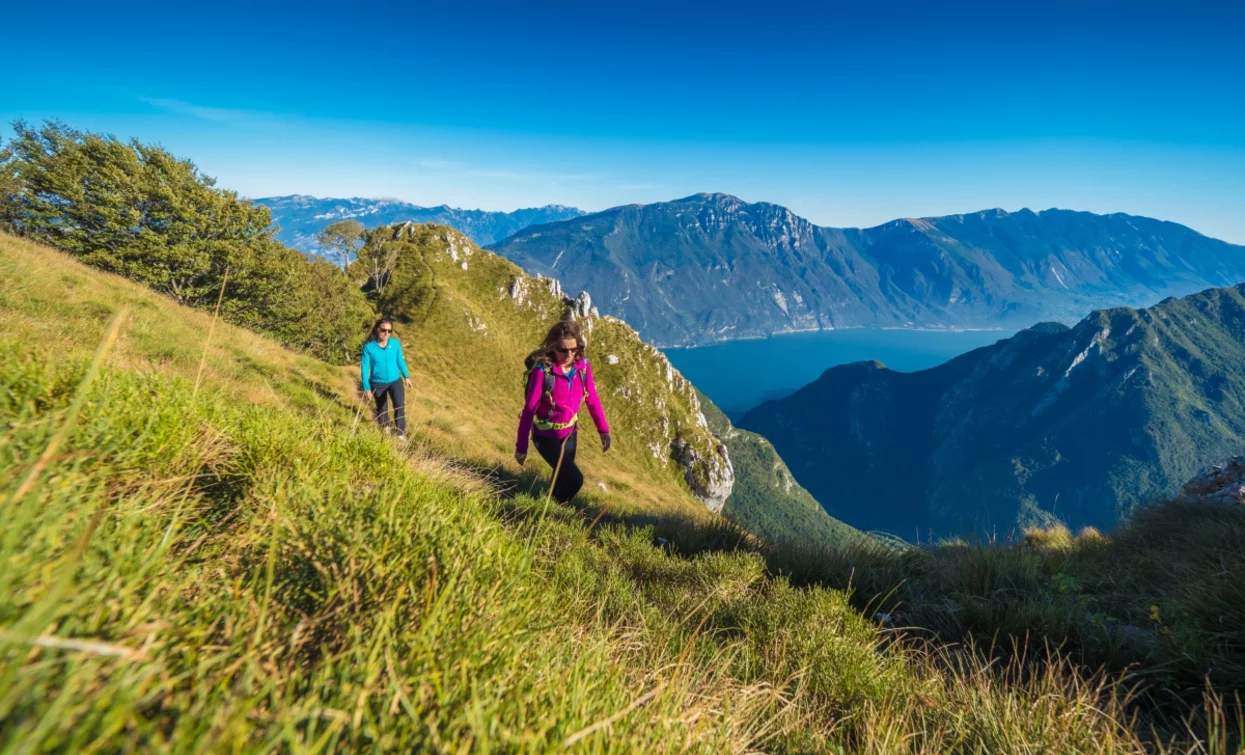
(248, 566)
(766, 499)
(1080, 425)
(206, 545)
(467, 319)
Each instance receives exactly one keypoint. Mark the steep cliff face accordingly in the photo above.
(711, 267)
(473, 316)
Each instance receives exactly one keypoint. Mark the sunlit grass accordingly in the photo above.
(256, 568)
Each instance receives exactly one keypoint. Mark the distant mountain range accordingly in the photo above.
(301, 217)
(711, 267)
(1078, 423)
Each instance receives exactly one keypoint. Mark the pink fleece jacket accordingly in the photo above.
(566, 402)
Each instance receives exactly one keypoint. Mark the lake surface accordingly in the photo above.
(738, 375)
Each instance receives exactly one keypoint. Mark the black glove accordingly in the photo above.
(605, 441)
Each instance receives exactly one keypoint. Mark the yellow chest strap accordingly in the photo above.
(542, 424)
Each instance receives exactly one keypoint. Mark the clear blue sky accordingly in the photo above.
(847, 115)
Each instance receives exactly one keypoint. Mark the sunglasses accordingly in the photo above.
(567, 351)
(386, 330)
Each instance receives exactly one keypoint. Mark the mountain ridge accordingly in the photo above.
(301, 216)
(1080, 424)
(712, 267)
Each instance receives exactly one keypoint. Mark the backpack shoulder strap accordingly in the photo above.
(548, 381)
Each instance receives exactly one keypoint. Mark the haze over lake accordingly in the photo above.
(738, 375)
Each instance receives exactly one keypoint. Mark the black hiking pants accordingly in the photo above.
(570, 479)
(384, 393)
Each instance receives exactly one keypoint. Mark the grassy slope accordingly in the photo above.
(767, 501)
(250, 567)
(466, 338)
(1159, 599)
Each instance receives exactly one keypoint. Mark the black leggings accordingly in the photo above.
(394, 393)
(570, 479)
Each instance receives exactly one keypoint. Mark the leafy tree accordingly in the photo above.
(9, 186)
(332, 316)
(379, 256)
(137, 210)
(128, 208)
(341, 241)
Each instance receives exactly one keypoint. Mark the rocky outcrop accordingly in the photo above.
(710, 476)
(518, 289)
(1221, 483)
(581, 306)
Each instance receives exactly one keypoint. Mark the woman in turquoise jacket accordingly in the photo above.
(383, 374)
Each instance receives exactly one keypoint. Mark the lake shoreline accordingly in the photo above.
(800, 331)
(742, 373)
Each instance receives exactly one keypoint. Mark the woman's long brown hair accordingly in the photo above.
(557, 334)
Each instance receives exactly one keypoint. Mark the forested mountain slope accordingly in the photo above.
(766, 499)
(1081, 424)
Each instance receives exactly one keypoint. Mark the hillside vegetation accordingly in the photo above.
(137, 210)
(234, 561)
(713, 267)
(1080, 425)
(766, 499)
(208, 546)
(1158, 601)
(468, 318)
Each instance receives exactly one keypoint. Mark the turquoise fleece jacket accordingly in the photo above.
(382, 365)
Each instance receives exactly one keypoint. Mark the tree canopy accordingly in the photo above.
(137, 210)
(340, 241)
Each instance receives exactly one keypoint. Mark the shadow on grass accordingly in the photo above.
(678, 533)
(1157, 602)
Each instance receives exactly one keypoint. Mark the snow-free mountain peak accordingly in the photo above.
(301, 217)
(711, 267)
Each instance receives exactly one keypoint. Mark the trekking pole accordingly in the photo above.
(557, 468)
(362, 402)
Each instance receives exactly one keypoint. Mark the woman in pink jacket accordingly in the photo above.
(559, 382)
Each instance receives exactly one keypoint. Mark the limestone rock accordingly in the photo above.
(711, 477)
(581, 306)
(518, 289)
(1221, 483)
(553, 284)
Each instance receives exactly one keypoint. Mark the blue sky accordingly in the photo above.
(849, 115)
